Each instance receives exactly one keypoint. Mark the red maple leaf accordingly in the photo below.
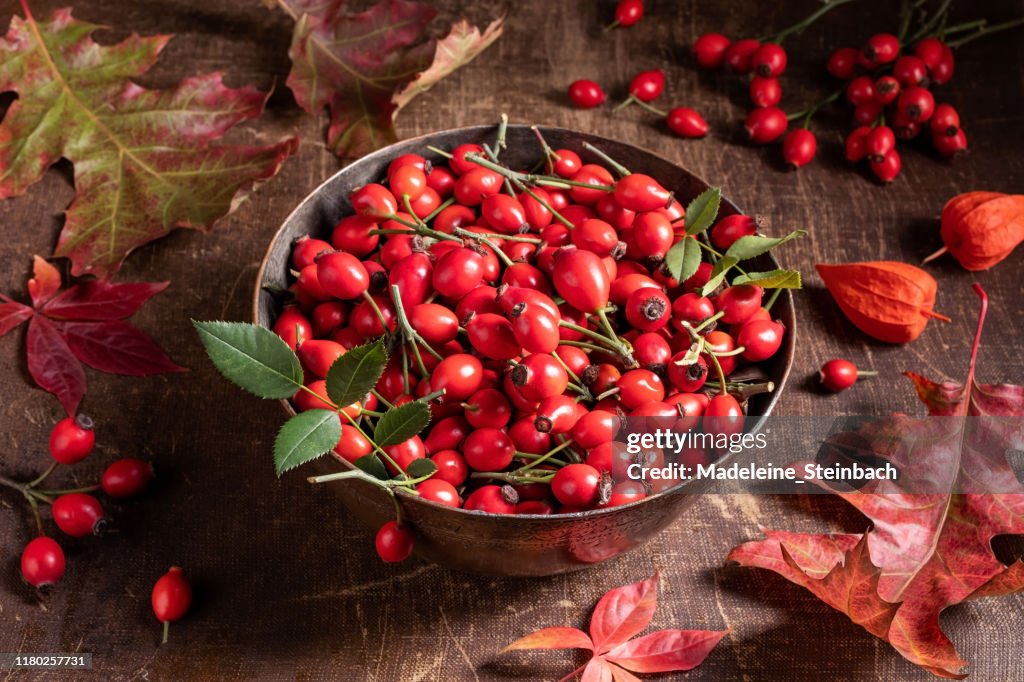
(145, 161)
(622, 614)
(84, 323)
(930, 544)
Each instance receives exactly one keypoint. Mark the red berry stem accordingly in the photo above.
(803, 24)
(933, 22)
(70, 491)
(43, 476)
(440, 152)
(710, 321)
(643, 105)
(743, 389)
(549, 153)
(542, 180)
(984, 31)
(772, 299)
(546, 456)
(809, 112)
(26, 490)
(619, 168)
(409, 334)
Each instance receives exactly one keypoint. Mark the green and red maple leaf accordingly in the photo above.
(84, 323)
(621, 615)
(363, 68)
(927, 550)
(145, 161)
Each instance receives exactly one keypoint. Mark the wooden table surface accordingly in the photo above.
(286, 586)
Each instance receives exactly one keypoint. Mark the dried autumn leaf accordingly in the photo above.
(887, 300)
(144, 160)
(364, 67)
(926, 551)
(83, 324)
(621, 614)
(461, 46)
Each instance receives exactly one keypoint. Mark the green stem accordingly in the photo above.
(806, 114)
(531, 456)
(408, 333)
(69, 491)
(444, 204)
(549, 153)
(42, 477)
(966, 26)
(545, 457)
(571, 373)
(25, 490)
(382, 399)
(649, 107)
(440, 152)
(583, 344)
(932, 22)
(548, 180)
(499, 143)
(800, 26)
(619, 168)
(376, 310)
(986, 31)
(402, 221)
(695, 337)
(501, 255)
(708, 322)
(35, 513)
(551, 209)
(167, 631)
(771, 300)
(610, 345)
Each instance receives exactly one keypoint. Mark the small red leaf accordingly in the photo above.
(12, 314)
(552, 638)
(623, 613)
(44, 283)
(52, 364)
(102, 300)
(622, 675)
(666, 650)
(598, 670)
(117, 347)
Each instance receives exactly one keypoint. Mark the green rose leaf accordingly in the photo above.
(718, 273)
(372, 465)
(356, 372)
(401, 423)
(683, 259)
(252, 357)
(305, 437)
(702, 211)
(773, 279)
(418, 468)
(752, 246)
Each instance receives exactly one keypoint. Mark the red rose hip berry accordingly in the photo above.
(72, 439)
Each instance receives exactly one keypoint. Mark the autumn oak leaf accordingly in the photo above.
(927, 550)
(145, 161)
(83, 323)
(620, 615)
(363, 68)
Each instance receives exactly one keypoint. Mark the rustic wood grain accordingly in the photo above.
(286, 586)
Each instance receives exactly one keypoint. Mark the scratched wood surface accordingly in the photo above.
(286, 586)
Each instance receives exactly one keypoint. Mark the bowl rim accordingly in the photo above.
(408, 497)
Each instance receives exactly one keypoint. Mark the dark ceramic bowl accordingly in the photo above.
(471, 540)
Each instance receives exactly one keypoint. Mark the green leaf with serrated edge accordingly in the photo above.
(683, 259)
(718, 273)
(353, 374)
(305, 437)
(773, 279)
(401, 423)
(418, 468)
(702, 211)
(252, 357)
(372, 465)
(752, 246)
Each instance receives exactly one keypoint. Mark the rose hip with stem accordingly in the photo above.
(838, 374)
(171, 598)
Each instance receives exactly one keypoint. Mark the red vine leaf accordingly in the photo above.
(144, 160)
(52, 364)
(102, 300)
(622, 613)
(666, 650)
(117, 347)
(364, 67)
(926, 551)
(84, 324)
(13, 314)
(45, 281)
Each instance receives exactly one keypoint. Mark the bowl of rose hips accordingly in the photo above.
(541, 291)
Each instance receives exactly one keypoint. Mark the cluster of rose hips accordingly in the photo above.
(644, 88)
(534, 312)
(766, 122)
(891, 99)
(76, 512)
